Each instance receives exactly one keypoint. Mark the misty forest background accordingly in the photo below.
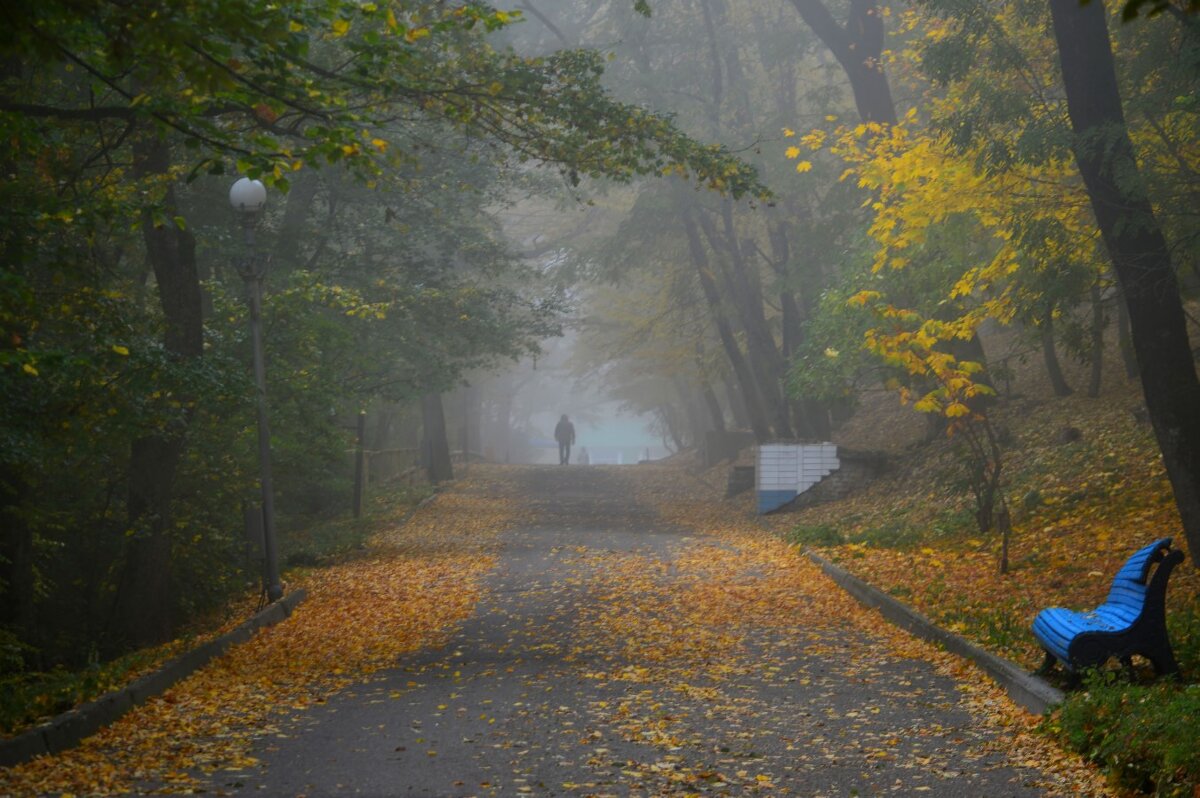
(779, 216)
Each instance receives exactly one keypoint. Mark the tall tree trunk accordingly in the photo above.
(1096, 355)
(755, 412)
(473, 423)
(385, 419)
(144, 601)
(666, 414)
(697, 419)
(504, 422)
(811, 417)
(716, 416)
(858, 47)
(17, 576)
(1050, 355)
(711, 403)
(760, 339)
(737, 404)
(1138, 249)
(761, 354)
(17, 582)
(743, 116)
(434, 442)
(300, 200)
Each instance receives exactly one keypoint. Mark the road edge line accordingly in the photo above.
(1026, 690)
(68, 729)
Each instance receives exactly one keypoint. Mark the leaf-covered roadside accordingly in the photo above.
(1081, 507)
(778, 588)
(1084, 508)
(27, 699)
(406, 591)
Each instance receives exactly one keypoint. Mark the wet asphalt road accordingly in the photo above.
(527, 699)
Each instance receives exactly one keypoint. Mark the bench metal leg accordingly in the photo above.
(1163, 660)
(1047, 665)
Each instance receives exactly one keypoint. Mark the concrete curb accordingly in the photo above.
(68, 729)
(1025, 689)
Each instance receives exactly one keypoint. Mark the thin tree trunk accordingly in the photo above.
(1138, 249)
(715, 414)
(385, 418)
(17, 578)
(296, 211)
(760, 340)
(17, 583)
(434, 442)
(709, 396)
(811, 418)
(737, 405)
(1125, 340)
(755, 412)
(761, 354)
(743, 116)
(697, 424)
(144, 601)
(1050, 355)
(474, 420)
(667, 414)
(504, 423)
(1096, 378)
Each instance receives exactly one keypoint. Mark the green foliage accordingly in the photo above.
(269, 87)
(831, 363)
(118, 127)
(902, 533)
(815, 535)
(1144, 734)
(895, 534)
(952, 524)
(333, 540)
(1183, 629)
(27, 697)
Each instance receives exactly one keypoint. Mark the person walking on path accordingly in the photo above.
(564, 433)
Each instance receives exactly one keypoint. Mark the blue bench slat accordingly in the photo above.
(1120, 615)
(1103, 622)
(1126, 594)
(1057, 627)
(1052, 643)
(1066, 624)
(1054, 627)
(1138, 565)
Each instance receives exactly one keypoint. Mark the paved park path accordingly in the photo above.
(620, 647)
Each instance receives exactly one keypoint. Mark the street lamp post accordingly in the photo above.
(248, 198)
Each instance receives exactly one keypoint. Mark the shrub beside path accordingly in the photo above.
(584, 631)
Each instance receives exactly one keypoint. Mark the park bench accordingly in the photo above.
(1132, 621)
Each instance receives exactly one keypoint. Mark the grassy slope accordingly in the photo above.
(1079, 509)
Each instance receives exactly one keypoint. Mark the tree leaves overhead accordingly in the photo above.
(273, 86)
(115, 117)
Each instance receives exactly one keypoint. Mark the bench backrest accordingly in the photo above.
(1129, 585)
